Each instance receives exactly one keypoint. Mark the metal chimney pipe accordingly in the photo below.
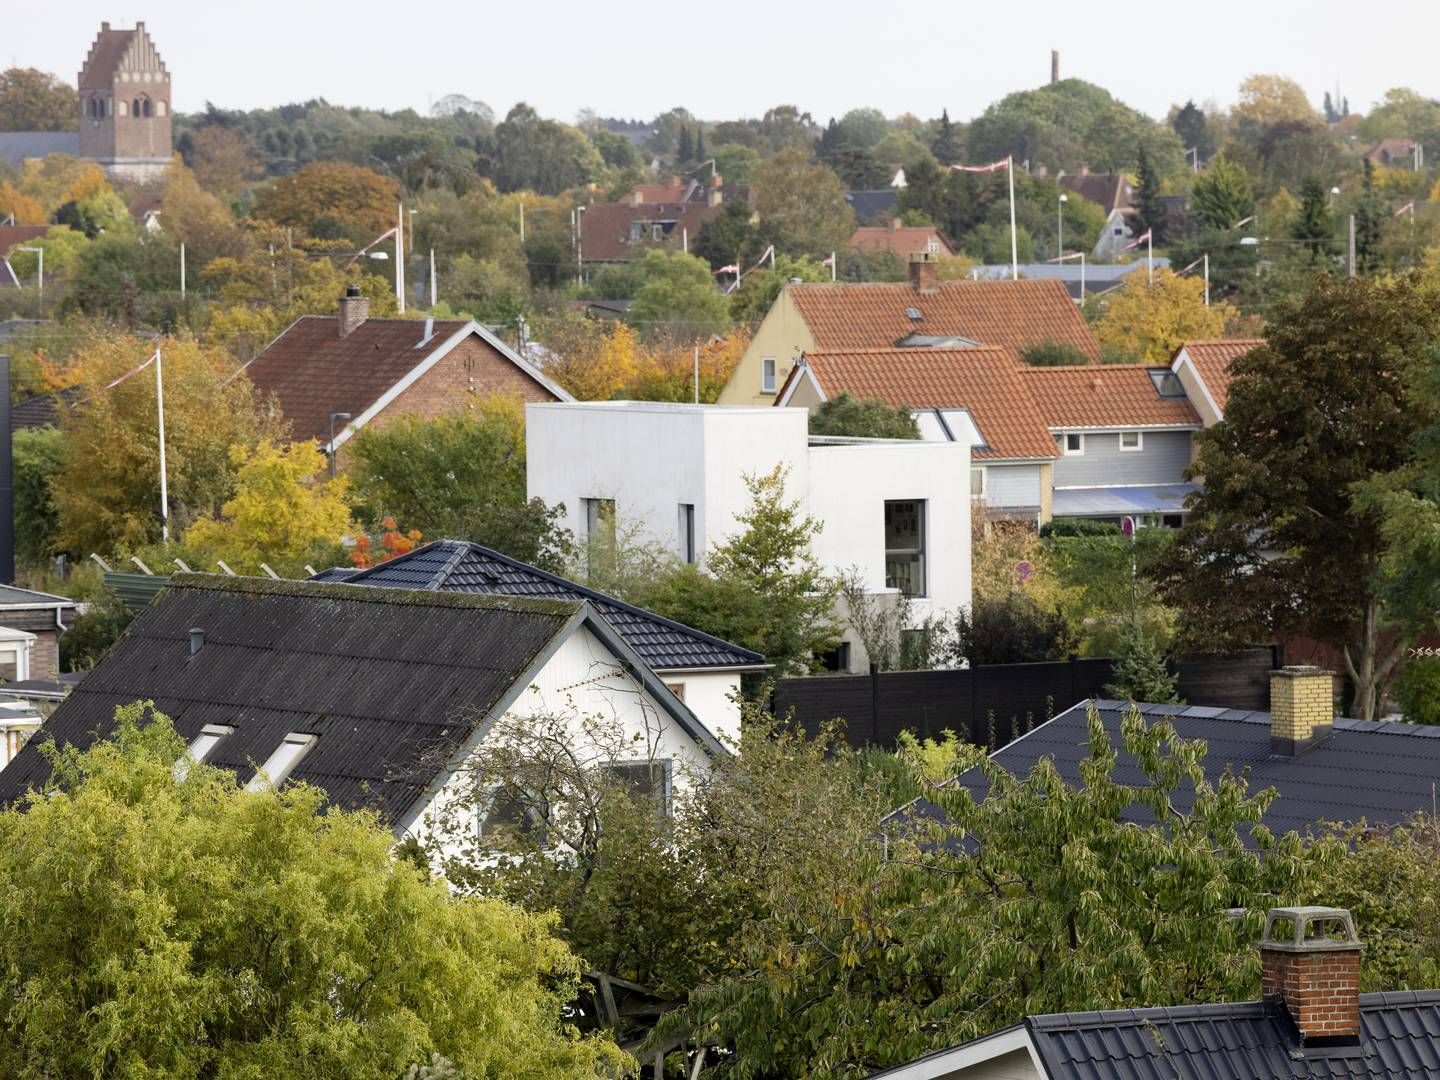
(197, 640)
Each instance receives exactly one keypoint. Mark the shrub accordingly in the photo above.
(1053, 354)
(1417, 691)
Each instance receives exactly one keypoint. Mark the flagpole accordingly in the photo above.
(1014, 246)
(160, 415)
(1207, 279)
(832, 254)
(1150, 254)
(400, 258)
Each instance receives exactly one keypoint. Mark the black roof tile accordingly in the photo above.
(463, 567)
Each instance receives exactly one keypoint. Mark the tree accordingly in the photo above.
(532, 154)
(1053, 354)
(760, 288)
(946, 146)
(1011, 629)
(801, 205)
(868, 418)
(180, 925)
(685, 148)
(762, 587)
(196, 218)
(1147, 199)
(677, 298)
(1277, 542)
(222, 160)
(460, 476)
(1369, 222)
(1140, 673)
(32, 100)
(1312, 225)
(1332, 114)
(16, 204)
(1266, 100)
(108, 493)
(728, 238)
(1153, 320)
(282, 513)
(39, 456)
(332, 200)
(1189, 123)
(1223, 196)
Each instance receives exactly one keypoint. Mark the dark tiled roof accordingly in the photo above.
(389, 680)
(460, 566)
(313, 371)
(43, 410)
(17, 147)
(1376, 770)
(1239, 1041)
(872, 205)
(11, 597)
(1110, 190)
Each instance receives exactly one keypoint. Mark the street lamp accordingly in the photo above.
(1060, 224)
(333, 417)
(39, 253)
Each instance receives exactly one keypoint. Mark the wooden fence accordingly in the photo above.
(992, 705)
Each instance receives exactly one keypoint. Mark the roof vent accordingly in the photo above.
(197, 640)
(913, 314)
(429, 332)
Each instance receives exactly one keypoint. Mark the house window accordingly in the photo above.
(636, 231)
(1131, 440)
(200, 750)
(279, 765)
(933, 245)
(977, 482)
(644, 780)
(657, 232)
(1072, 443)
(599, 520)
(905, 546)
(511, 814)
(1119, 230)
(767, 375)
(837, 659)
(687, 532)
(12, 662)
(676, 688)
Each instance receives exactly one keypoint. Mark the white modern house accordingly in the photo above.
(895, 511)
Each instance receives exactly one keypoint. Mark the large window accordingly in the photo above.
(767, 375)
(905, 546)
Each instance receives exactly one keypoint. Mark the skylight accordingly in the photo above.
(1167, 383)
(282, 762)
(913, 313)
(200, 750)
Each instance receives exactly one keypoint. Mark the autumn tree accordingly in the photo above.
(167, 921)
(1266, 100)
(332, 200)
(801, 205)
(33, 100)
(593, 359)
(15, 203)
(1277, 541)
(1152, 320)
(222, 160)
(108, 494)
(284, 512)
(196, 218)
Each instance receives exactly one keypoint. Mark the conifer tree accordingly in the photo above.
(1368, 223)
(685, 149)
(1148, 204)
(946, 146)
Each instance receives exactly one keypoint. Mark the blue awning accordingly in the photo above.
(1120, 501)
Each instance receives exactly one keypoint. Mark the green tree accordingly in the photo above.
(168, 922)
(460, 476)
(728, 238)
(677, 298)
(1011, 629)
(1223, 195)
(33, 100)
(685, 147)
(1312, 225)
(762, 587)
(332, 199)
(758, 290)
(533, 154)
(1147, 198)
(947, 145)
(1140, 673)
(801, 205)
(1277, 541)
(39, 457)
(1189, 123)
(1369, 222)
(867, 418)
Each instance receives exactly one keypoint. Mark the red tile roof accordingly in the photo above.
(1110, 190)
(1006, 314)
(1104, 396)
(312, 371)
(1387, 150)
(605, 227)
(902, 240)
(1212, 360)
(10, 235)
(987, 382)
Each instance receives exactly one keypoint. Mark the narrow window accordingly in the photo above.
(201, 748)
(512, 813)
(767, 375)
(282, 762)
(905, 546)
(1131, 440)
(657, 232)
(1074, 443)
(600, 520)
(12, 665)
(977, 482)
(687, 532)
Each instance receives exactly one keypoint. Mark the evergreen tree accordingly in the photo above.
(700, 154)
(1344, 107)
(1224, 195)
(685, 149)
(1140, 673)
(1312, 225)
(1189, 124)
(832, 141)
(1368, 222)
(1330, 114)
(946, 146)
(1148, 204)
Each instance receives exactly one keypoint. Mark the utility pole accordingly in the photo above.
(1351, 249)
(1207, 279)
(400, 258)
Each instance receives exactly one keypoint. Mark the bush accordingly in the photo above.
(1077, 527)
(1011, 630)
(1053, 354)
(1111, 353)
(39, 454)
(870, 418)
(1417, 691)
(1140, 673)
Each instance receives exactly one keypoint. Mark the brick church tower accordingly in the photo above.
(125, 105)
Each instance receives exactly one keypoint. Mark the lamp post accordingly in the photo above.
(1060, 224)
(580, 244)
(333, 417)
(39, 253)
(1334, 191)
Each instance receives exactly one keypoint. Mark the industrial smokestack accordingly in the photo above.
(1054, 66)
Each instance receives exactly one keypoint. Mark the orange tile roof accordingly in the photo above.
(1007, 314)
(985, 381)
(902, 240)
(1104, 396)
(1212, 360)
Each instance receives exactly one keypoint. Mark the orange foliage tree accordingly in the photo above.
(599, 361)
(391, 542)
(329, 196)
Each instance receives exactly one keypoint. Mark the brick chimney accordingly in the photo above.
(1054, 66)
(1302, 708)
(924, 273)
(1310, 965)
(354, 309)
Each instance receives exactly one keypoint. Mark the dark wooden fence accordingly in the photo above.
(995, 704)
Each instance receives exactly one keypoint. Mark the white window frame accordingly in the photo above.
(665, 797)
(979, 470)
(1065, 438)
(21, 648)
(597, 527)
(921, 553)
(1139, 442)
(200, 748)
(769, 370)
(280, 764)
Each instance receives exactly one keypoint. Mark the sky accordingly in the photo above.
(736, 59)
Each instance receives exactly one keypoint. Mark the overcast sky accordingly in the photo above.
(737, 58)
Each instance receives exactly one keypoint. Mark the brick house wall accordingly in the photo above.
(45, 654)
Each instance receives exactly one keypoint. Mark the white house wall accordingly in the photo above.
(713, 696)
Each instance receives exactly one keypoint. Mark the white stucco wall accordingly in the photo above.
(713, 696)
(584, 680)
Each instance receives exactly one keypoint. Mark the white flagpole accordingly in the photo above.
(1150, 254)
(1207, 279)
(160, 415)
(400, 259)
(1014, 247)
(432, 277)
(833, 264)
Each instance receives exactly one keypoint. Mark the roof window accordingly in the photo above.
(282, 762)
(913, 314)
(201, 748)
(1167, 383)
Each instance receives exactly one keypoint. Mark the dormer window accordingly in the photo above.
(279, 765)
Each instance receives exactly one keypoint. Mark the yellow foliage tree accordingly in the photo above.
(1152, 320)
(197, 219)
(27, 211)
(282, 513)
(329, 195)
(667, 371)
(1272, 99)
(593, 360)
(1008, 557)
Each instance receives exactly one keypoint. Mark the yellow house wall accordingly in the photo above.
(1193, 389)
(783, 335)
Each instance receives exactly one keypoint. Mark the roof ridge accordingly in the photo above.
(348, 590)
